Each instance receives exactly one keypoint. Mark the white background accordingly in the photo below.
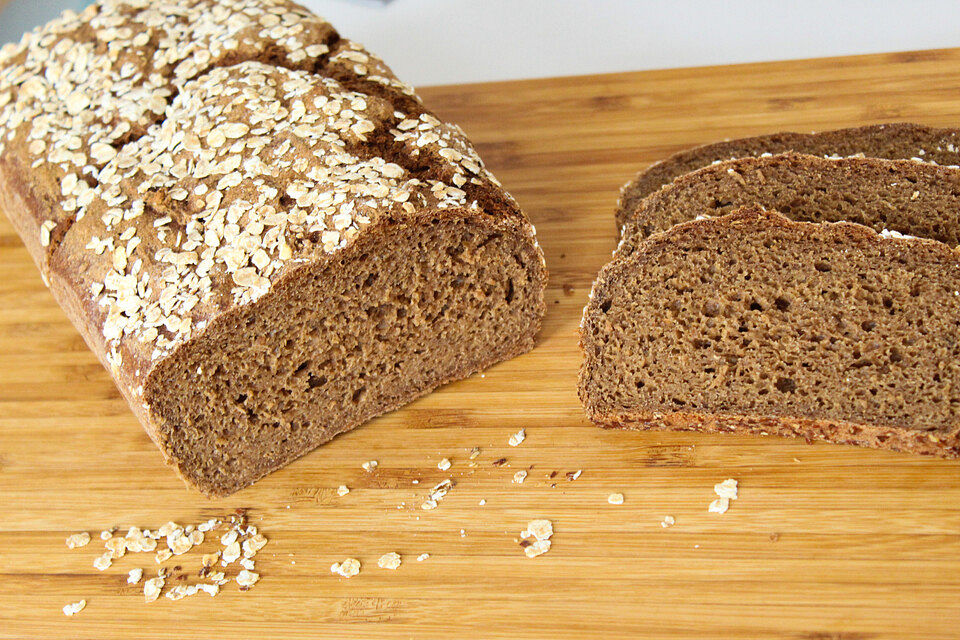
(447, 41)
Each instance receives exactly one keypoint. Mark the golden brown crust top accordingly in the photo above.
(192, 152)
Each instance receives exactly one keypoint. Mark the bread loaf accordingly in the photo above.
(262, 233)
(892, 141)
(751, 322)
(903, 196)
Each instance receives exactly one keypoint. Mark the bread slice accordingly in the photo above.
(262, 233)
(892, 141)
(902, 196)
(755, 323)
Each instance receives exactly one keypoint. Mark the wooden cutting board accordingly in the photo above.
(824, 541)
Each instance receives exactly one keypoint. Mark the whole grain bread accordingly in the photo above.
(901, 140)
(262, 233)
(902, 196)
(755, 323)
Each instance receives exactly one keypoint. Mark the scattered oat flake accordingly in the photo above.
(348, 568)
(423, 556)
(726, 489)
(103, 561)
(152, 589)
(668, 521)
(254, 544)
(74, 607)
(134, 576)
(231, 553)
(517, 438)
(180, 592)
(615, 498)
(342, 490)
(541, 529)
(720, 505)
(475, 453)
(247, 578)
(389, 560)
(78, 540)
(519, 477)
(444, 464)
(106, 535)
(369, 465)
(537, 548)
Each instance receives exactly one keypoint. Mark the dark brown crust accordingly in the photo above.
(945, 444)
(23, 211)
(901, 140)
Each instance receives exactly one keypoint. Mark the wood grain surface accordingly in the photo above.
(825, 542)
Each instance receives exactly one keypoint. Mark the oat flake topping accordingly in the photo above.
(197, 150)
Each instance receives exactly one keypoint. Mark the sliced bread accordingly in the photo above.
(755, 323)
(902, 196)
(893, 141)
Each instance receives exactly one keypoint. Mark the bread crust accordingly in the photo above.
(902, 140)
(944, 443)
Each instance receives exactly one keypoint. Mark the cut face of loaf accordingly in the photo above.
(401, 311)
(261, 232)
(755, 323)
(910, 198)
(892, 141)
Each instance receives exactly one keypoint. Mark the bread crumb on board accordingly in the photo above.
(348, 568)
(517, 438)
(74, 607)
(390, 560)
(615, 498)
(541, 531)
(726, 491)
(78, 540)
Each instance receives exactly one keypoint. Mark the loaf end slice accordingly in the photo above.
(902, 196)
(758, 324)
(901, 140)
(262, 233)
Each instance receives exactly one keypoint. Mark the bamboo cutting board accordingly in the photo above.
(824, 541)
